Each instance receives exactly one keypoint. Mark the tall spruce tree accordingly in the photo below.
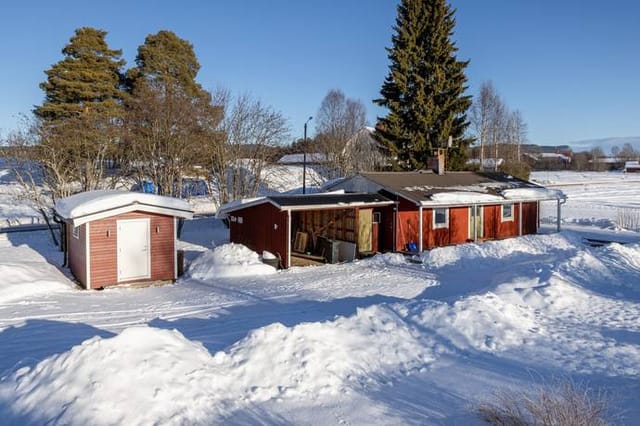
(424, 90)
(87, 79)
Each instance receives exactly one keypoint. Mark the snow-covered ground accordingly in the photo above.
(594, 198)
(385, 340)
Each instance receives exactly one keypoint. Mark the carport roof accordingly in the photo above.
(308, 202)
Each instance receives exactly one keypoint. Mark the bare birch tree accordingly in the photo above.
(250, 130)
(482, 114)
(498, 130)
(338, 121)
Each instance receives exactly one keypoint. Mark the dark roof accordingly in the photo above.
(418, 186)
(326, 199)
(307, 202)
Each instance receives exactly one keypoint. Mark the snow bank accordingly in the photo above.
(25, 273)
(485, 322)
(142, 376)
(227, 261)
(153, 376)
(499, 250)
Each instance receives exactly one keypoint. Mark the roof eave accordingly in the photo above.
(147, 208)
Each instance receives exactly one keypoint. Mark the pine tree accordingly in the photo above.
(172, 126)
(86, 80)
(424, 90)
(166, 59)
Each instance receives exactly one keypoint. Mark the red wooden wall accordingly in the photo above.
(103, 248)
(458, 230)
(103, 237)
(76, 248)
(261, 227)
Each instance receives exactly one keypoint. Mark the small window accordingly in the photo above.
(240, 219)
(377, 217)
(233, 219)
(440, 218)
(75, 231)
(507, 212)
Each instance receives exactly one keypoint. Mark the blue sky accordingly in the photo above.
(570, 66)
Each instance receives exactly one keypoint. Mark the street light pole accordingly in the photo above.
(304, 157)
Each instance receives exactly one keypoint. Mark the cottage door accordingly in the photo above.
(364, 230)
(476, 222)
(134, 261)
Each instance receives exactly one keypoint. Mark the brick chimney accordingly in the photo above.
(437, 162)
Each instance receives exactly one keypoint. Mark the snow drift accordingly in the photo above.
(227, 261)
(26, 273)
(152, 376)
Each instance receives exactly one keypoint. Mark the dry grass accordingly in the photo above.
(563, 405)
(629, 218)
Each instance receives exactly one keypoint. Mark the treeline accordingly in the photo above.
(101, 123)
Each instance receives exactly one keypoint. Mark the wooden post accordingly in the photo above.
(475, 222)
(288, 239)
(420, 229)
(520, 219)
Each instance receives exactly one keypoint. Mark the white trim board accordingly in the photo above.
(131, 208)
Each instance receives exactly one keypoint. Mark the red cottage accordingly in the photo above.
(434, 209)
(115, 237)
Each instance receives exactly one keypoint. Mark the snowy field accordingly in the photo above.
(594, 198)
(383, 340)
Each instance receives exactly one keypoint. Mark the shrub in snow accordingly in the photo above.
(226, 261)
(629, 218)
(565, 405)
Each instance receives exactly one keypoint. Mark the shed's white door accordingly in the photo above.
(134, 261)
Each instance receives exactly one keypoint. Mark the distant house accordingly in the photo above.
(361, 152)
(115, 237)
(632, 167)
(300, 158)
(487, 163)
(548, 160)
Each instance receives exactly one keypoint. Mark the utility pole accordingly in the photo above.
(304, 157)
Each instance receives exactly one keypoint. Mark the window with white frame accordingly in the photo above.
(507, 212)
(75, 231)
(440, 218)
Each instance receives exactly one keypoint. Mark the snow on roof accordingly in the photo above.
(533, 194)
(461, 197)
(227, 208)
(90, 203)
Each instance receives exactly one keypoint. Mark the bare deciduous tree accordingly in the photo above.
(496, 128)
(53, 161)
(338, 123)
(251, 129)
(482, 114)
(169, 134)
